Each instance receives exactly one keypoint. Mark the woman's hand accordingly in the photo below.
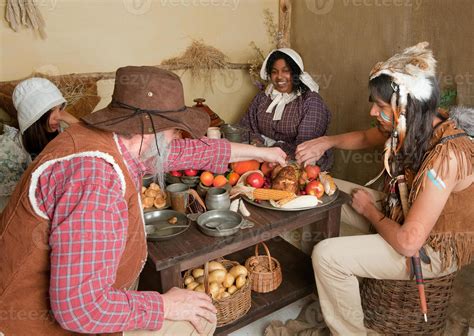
(362, 202)
(309, 152)
(184, 305)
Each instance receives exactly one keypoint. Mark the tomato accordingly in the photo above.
(312, 171)
(176, 173)
(207, 178)
(190, 172)
(255, 180)
(233, 177)
(315, 188)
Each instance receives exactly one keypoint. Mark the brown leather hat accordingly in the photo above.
(147, 100)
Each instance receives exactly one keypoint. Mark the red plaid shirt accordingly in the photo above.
(82, 198)
(305, 118)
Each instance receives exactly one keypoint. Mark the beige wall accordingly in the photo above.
(340, 41)
(102, 35)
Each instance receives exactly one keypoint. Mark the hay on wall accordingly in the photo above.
(201, 60)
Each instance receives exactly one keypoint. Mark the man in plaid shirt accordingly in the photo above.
(72, 239)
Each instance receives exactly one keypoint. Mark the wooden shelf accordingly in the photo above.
(298, 282)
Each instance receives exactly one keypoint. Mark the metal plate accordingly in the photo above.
(228, 221)
(158, 228)
(266, 204)
(152, 209)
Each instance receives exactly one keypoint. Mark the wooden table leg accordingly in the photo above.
(334, 222)
(170, 277)
(322, 229)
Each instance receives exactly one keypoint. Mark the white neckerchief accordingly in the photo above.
(279, 100)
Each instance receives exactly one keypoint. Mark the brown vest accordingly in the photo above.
(24, 249)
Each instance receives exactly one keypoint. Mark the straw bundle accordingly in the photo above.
(201, 60)
(24, 13)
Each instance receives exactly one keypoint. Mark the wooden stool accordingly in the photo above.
(392, 307)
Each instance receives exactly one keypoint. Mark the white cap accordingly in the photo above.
(34, 97)
(304, 76)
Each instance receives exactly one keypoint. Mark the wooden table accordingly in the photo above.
(168, 259)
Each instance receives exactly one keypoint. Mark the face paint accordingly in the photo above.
(385, 117)
(437, 181)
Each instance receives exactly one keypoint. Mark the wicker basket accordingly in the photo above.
(234, 307)
(264, 281)
(391, 307)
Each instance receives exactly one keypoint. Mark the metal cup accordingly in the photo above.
(217, 199)
(232, 133)
(178, 196)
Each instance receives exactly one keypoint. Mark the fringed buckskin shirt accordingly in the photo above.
(453, 233)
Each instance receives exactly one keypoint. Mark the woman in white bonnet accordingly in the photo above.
(41, 108)
(290, 110)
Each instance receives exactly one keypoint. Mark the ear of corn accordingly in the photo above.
(328, 183)
(271, 194)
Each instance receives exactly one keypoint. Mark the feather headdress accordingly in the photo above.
(411, 72)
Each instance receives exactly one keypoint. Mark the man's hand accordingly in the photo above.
(184, 305)
(272, 155)
(309, 152)
(362, 201)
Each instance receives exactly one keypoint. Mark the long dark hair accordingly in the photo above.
(294, 69)
(36, 137)
(419, 117)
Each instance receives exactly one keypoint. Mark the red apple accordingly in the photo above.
(176, 173)
(255, 180)
(266, 168)
(312, 172)
(315, 188)
(190, 172)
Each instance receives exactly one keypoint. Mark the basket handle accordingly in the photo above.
(267, 251)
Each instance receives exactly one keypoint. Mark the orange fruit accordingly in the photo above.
(233, 177)
(207, 178)
(219, 181)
